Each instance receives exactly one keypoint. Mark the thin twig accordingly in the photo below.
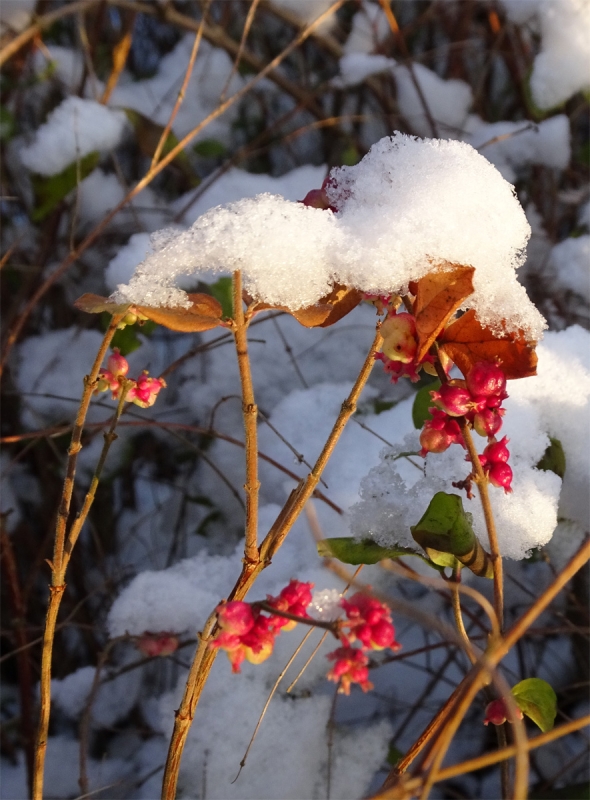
(61, 555)
(183, 88)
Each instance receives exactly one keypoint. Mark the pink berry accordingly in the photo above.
(487, 422)
(235, 617)
(157, 644)
(434, 441)
(399, 338)
(500, 475)
(455, 400)
(497, 452)
(486, 379)
(497, 713)
(317, 198)
(117, 364)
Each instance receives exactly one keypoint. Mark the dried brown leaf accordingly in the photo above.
(204, 313)
(466, 341)
(438, 295)
(328, 310)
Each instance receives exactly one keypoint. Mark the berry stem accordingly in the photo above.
(482, 487)
(333, 627)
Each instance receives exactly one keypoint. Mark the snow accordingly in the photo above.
(61, 771)
(74, 129)
(114, 700)
(120, 268)
(394, 496)
(98, 194)
(561, 396)
(522, 143)
(369, 28)
(356, 67)
(49, 373)
(67, 63)
(448, 101)
(155, 97)
(570, 260)
(188, 592)
(308, 11)
(236, 184)
(562, 68)
(408, 206)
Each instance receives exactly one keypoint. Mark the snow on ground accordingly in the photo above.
(74, 129)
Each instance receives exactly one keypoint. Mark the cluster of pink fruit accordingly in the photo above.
(479, 400)
(247, 633)
(142, 392)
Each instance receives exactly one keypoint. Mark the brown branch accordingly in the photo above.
(61, 555)
(250, 414)
(205, 656)
(58, 430)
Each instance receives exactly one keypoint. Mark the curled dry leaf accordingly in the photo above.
(204, 313)
(466, 341)
(438, 295)
(328, 310)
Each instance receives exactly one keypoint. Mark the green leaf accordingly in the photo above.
(51, 190)
(394, 755)
(210, 148)
(351, 551)
(536, 699)
(350, 156)
(222, 291)
(127, 338)
(422, 402)
(445, 527)
(553, 458)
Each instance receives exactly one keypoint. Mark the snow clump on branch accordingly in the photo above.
(409, 206)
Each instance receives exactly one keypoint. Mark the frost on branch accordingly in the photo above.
(409, 206)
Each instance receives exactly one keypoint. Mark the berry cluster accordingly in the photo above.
(248, 634)
(479, 399)
(143, 391)
(369, 623)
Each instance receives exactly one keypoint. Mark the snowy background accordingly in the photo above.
(500, 91)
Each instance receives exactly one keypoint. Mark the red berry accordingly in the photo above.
(486, 379)
(434, 441)
(500, 475)
(454, 400)
(487, 422)
(497, 452)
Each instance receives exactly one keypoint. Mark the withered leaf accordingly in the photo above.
(328, 310)
(95, 304)
(438, 295)
(204, 313)
(466, 341)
